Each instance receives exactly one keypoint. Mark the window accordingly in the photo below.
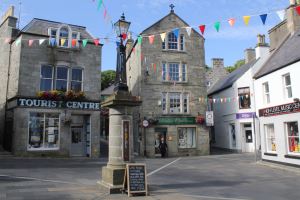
(52, 32)
(293, 137)
(43, 131)
(175, 103)
(270, 138)
(163, 44)
(244, 98)
(64, 37)
(174, 72)
(266, 93)
(61, 83)
(172, 41)
(76, 81)
(186, 138)
(46, 78)
(181, 42)
(287, 86)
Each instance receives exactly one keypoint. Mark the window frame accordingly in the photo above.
(181, 75)
(285, 86)
(180, 42)
(71, 78)
(52, 78)
(67, 80)
(269, 137)
(43, 148)
(244, 94)
(288, 137)
(68, 39)
(194, 138)
(266, 95)
(166, 103)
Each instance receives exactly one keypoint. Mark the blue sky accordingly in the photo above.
(229, 43)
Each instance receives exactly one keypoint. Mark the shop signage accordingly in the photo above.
(135, 179)
(39, 103)
(176, 120)
(209, 118)
(145, 123)
(245, 115)
(280, 110)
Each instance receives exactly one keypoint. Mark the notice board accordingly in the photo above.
(135, 179)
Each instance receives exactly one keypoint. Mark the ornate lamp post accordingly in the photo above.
(121, 28)
(120, 105)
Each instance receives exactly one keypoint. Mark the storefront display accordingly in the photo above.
(186, 138)
(293, 137)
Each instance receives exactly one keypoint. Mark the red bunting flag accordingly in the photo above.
(30, 42)
(202, 29)
(74, 42)
(124, 36)
(96, 41)
(231, 21)
(151, 39)
(7, 40)
(298, 9)
(105, 13)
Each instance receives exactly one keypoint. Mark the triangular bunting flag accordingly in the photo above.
(99, 4)
(84, 42)
(62, 42)
(151, 39)
(176, 32)
(52, 41)
(124, 36)
(246, 20)
(74, 42)
(118, 44)
(96, 41)
(231, 22)
(41, 41)
(263, 18)
(140, 39)
(18, 41)
(163, 36)
(105, 13)
(202, 29)
(7, 40)
(188, 30)
(30, 42)
(298, 9)
(217, 26)
(281, 14)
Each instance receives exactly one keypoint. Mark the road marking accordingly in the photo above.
(38, 179)
(210, 197)
(153, 172)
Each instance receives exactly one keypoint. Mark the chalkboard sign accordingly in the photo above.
(135, 179)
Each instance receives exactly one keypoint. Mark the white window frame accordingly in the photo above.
(288, 137)
(166, 103)
(82, 75)
(165, 44)
(68, 76)
(166, 72)
(53, 69)
(285, 86)
(266, 94)
(181, 42)
(268, 138)
(44, 133)
(69, 39)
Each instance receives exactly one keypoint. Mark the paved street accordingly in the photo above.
(230, 176)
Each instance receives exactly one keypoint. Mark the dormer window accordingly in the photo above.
(64, 36)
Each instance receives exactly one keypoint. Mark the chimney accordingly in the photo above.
(262, 48)
(249, 55)
(217, 62)
(293, 19)
(9, 13)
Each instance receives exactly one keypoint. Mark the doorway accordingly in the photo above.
(248, 137)
(77, 141)
(160, 133)
(232, 136)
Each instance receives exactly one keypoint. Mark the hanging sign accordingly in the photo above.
(209, 118)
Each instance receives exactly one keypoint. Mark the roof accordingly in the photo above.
(231, 78)
(286, 54)
(108, 91)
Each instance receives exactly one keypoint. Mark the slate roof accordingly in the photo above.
(230, 78)
(108, 91)
(286, 54)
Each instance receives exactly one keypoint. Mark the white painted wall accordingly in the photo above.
(277, 97)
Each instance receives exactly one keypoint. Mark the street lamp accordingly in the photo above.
(121, 28)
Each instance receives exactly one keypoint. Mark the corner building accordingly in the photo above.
(51, 96)
(169, 76)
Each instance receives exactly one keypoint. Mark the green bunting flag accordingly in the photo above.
(84, 42)
(217, 26)
(99, 4)
(140, 38)
(18, 41)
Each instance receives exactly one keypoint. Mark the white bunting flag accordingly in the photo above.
(281, 14)
(163, 36)
(41, 41)
(188, 30)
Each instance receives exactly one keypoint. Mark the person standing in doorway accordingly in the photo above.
(163, 147)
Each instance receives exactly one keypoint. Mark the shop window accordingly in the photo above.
(287, 86)
(293, 137)
(43, 131)
(46, 78)
(244, 98)
(76, 81)
(172, 41)
(266, 93)
(61, 82)
(186, 138)
(270, 138)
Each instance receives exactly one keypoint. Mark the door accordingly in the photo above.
(248, 138)
(160, 134)
(232, 136)
(77, 141)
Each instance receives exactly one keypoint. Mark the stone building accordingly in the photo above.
(169, 76)
(50, 93)
(216, 72)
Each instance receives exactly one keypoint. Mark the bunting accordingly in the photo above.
(231, 22)
(263, 18)
(99, 4)
(30, 42)
(84, 42)
(140, 39)
(298, 9)
(176, 32)
(163, 36)
(188, 30)
(281, 14)
(41, 41)
(246, 20)
(217, 26)
(74, 42)
(151, 39)
(202, 29)
(18, 41)
(96, 42)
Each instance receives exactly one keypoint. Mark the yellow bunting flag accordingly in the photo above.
(246, 20)
(62, 42)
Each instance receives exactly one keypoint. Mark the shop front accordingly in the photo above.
(53, 128)
(279, 127)
(183, 136)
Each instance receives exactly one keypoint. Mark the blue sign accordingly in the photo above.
(245, 115)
